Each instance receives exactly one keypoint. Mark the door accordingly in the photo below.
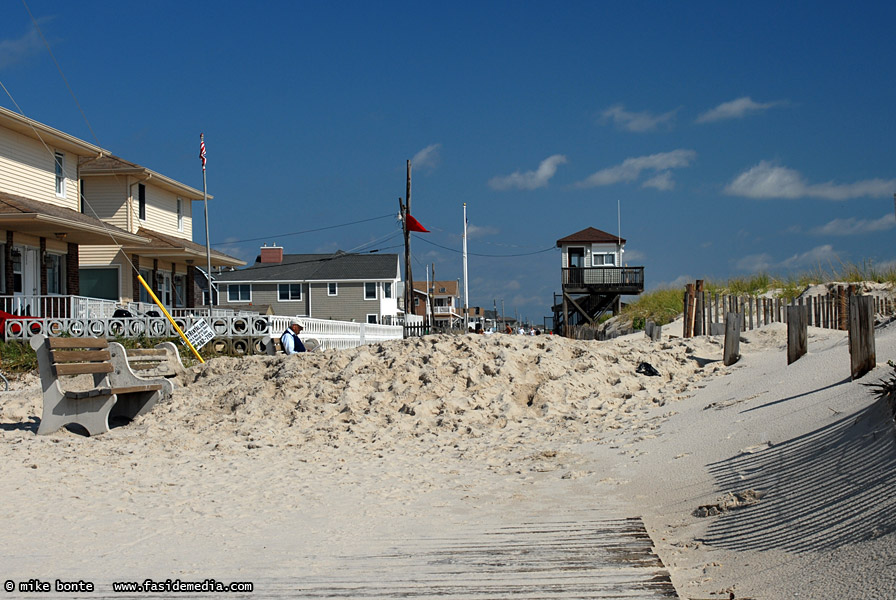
(25, 280)
(576, 266)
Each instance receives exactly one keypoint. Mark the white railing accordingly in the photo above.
(48, 305)
(444, 310)
(243, 333)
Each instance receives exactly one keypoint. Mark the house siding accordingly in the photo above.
(107, 199)
(161, 212)
(348, 305)
(28, 169)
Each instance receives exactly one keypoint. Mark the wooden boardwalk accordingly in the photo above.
(549, 559)
(597, 559)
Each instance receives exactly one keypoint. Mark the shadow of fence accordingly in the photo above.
(824, 489)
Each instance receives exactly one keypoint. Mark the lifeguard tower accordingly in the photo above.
(593, 279)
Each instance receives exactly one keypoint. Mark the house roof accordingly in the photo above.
(451, 287)
(46, 220)
(169, 247)
(339, 266)
(108, 165)
(591, 236)
(54, 137)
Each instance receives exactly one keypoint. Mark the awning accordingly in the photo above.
(172, 248)
(20, 214)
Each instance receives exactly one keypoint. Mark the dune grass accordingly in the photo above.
(663, 305)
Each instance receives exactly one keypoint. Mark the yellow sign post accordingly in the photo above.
(170, 318)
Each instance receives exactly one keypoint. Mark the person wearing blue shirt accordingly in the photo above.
(290, 340)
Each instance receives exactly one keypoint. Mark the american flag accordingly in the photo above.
(202, 149)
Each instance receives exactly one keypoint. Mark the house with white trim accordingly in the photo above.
(156, 208)
(444, 302)
(70, 211)
(346, 287)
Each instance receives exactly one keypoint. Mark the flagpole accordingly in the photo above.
(208, 247)
(466, 290)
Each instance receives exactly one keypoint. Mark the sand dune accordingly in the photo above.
(276, 469)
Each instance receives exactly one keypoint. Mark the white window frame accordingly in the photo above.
(180, 214)
(335, 289)
(387, 289)
(60, 279)
(289, 297)
(59, 168)
(375, 294)
(603, 257)
(239, 287)
(375, 320)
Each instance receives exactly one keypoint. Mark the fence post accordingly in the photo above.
(862, 355)
(732, 338)
(842, 317)
(698, 309)
(797, 332)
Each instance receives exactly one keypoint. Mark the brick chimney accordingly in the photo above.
(271, 254)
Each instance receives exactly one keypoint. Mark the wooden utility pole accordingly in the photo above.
(408, 278)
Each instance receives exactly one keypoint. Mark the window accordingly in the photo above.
(99, 283)
(371, 319)
(3, 267)
(55, 273)
(239, 292)
(141, 201)
(180, 290)
(60, 174)
(603, 259)
(82, 200)
(147, 277)
(332, 289)
(287, 292)
(442, 290)
(416, 301)
(370, 291)
(387, 289)
(180, 214)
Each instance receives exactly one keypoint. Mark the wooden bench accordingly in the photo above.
(161, 361)
(116, 391)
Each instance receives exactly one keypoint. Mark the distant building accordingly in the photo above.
(592, 277)
(340, 286)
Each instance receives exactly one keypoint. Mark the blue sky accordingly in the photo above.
(735, 137)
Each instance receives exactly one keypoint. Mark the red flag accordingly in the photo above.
(414, 225)
(202, 150)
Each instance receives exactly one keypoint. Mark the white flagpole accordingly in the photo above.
(208, 247)
(466, 287)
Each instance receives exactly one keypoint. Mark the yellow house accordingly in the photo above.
(70, 212)
(154, 207)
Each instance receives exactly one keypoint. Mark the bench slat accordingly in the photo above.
(60, 342)
(83, 368)
(147, 354)
(110, 391)
(73, 356)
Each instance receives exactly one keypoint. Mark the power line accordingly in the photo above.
(282, 235)
(422, 239)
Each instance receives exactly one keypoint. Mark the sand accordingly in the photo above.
(343, 468)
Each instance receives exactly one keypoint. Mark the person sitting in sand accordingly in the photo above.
(290, 340)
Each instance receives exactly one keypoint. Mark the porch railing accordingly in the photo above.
(79, 307)
(604, 277)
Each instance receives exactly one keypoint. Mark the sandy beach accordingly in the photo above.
(389, 470)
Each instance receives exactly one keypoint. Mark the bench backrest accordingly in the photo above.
(79, 356)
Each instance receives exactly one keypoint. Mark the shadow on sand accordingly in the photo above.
(827, 488)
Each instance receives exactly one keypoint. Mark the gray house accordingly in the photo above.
(344, 287)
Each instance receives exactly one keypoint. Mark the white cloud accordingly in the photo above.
(428, 157)
(735, 109)
(754, 263)
(475, 231)
(662, 181)
(631, 168)
(813, 257)
(766, 180)
(639, 122)
(530, 180)
(15, 51)
(853, 226)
